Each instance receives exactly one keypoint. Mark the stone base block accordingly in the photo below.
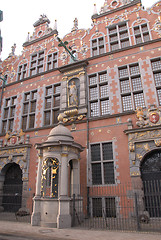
(35, 219)
(64, 221)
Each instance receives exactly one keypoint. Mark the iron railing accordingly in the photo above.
(15, 203)
(118, 207)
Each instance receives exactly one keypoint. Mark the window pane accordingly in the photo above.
(159, 95)
(47, 118)
(139, 100)
(93, 93)
(48, 103)
(27, 96)
(33, 106)
(92, 80)
(138, 39)
(104, 90)
(136, 83)
(123, 72)
(157, 77)
(94, 109)
(107, 151)
(57, 101)
(94, 43)
(10, 128)
(110, 207)
(4, 126)
(97, 207)
(96, 173)
(6, 113)
(49, 91)
(134, 69)
(146, 37)
(125, 86)
(125, 43)
(127, 103)
(105, 107)
(95, 152)
(57, 89)
(24, 122)
(109, 173)
(55, 116)
(25, 108)
(156, 65)
(12, 112)
(31, 121)
(102, 77)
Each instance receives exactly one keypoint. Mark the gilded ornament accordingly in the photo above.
(131, 147)
(157, 142)
(146, 147)
(139, 156)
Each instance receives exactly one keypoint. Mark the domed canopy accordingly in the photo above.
(60, 133)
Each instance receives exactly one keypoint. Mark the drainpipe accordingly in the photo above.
(88, 202)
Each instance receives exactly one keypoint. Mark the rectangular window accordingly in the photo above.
(131, 87)
(37, 63)
(22, 71)
(102, 164)
(118, 36)
(9, 114)
(141, 33)
(52, 104)
(99, 94)
(104, 207)
(29, 110)
(98, 46)
(52, 61)
(156, 68)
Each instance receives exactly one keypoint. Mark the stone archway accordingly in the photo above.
(150, 169)
(12, 187)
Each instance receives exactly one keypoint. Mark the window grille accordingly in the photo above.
(141, 33)
(102, 164)
(29, 110)
(9, 114)
(22, 72)
(118, 36)
(98, 46)
(131, 87)
(156, 68)
(52, 104)
(37, 63)
(99, 94)
(52, 61)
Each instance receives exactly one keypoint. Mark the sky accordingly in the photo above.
(19, 17)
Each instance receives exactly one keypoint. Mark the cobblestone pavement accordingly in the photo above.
(21, 229)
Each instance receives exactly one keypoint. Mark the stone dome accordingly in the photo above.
(60, 133)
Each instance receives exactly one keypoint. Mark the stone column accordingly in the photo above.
(36, 215)
(64, 217)
(75, 178)
(64, 176)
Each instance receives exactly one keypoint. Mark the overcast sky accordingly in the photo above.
(19, 17)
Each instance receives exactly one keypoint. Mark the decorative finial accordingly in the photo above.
(60, 118)
(95, 10)
(55, 25)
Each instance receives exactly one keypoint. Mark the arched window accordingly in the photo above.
(22, 70)
(141, 31)
(52, 59)
(151, 177)
(97, 45)
(50, 174)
